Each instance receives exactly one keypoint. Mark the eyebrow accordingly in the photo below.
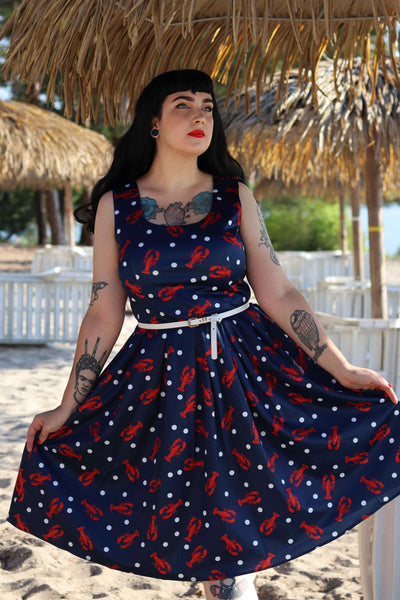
(190, 99)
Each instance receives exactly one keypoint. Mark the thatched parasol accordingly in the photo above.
(108, 50)
(354, 134)
(41, 150)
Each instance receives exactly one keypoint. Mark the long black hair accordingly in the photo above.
(134, 151)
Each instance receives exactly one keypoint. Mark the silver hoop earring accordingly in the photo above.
(154, 132)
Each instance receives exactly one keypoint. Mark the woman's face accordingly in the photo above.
(186, 122)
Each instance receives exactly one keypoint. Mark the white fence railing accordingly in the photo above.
(78, 258)
(38, 309)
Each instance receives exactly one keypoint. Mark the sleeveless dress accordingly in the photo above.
(179, 466)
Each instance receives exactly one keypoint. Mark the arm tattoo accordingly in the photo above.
(229, 589)
(264, 238)
(96, 286)
(87, 370)
(306, 328)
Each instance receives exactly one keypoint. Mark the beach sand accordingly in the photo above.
(32, 380)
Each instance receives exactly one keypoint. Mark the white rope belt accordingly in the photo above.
(196, 321)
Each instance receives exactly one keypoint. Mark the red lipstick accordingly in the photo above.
(199, 133)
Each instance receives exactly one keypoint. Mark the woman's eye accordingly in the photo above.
(181, 105)
(208, 108)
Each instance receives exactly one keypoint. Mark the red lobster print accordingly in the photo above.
(154, 485)
(373, 485)
(127, 194)
(136, 290)
(211, 483)
(152, 531)
(271, 462)
(131, 431)
(328, 483)
(84, 539)
(250, 498)
(126, 539)
(186, 377)
(150, 260)
(334, 439)
(123, 250)
(106, 377)
(207, 395)
(170, 509)
(144, 365)
(53, 533)
(233, 289)
(397, 457)
(241, 459)
(313, 531)
(20, 524)
(293, 503)
(301, 434)
(277, 424)
(38, 479)
(176, 448)
(293, 373)
(91, 404)
(20, 486)
(200, 428)
(229, 375)
(94, 429)
(193, 528)
(190, 406)
(199, 310)
(62, 432)
(87, 477)
(156, 447)
(226, 422)
(212, 217)
(149, 395)
(175, 230)
(192, 463)
(161, 564)
(215, 574)
(232, 545)
(270, 380)
(125, 508)
(362, 406)
(68, 451)
(218, 271)
(298, 399)
(198, 555)
(134, 217)
(232, 239)
(266, 563)
(297, 475)
(197, 256)
(55, 507)
(358, 459)
(343, 507)
(252, 399)
(268, 526)
(167, 293)
(256, 438)
(93, 511)
(382, 432)
(131, 470)
(227, 515)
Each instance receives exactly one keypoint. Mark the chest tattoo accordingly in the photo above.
(176, 213)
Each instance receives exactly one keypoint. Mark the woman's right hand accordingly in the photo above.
(46, 423)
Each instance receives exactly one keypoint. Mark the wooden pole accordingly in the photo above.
(69, 216)
(40, 210)
(55, 220)
(358, 254)
(343, 228)
(374, 197)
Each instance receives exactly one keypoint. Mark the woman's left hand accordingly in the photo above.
(357, 378)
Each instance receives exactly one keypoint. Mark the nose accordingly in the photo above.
(199, 116)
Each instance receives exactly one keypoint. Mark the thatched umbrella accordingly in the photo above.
(354, 133)
(106, 51)
(42, 150)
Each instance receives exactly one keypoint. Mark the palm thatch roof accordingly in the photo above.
(301, 141)
(108, 50)
(39, 149)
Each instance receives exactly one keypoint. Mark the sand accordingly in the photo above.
(32, 380)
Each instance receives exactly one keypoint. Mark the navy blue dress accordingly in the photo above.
(179, 466)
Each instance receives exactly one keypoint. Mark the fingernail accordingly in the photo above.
(390, 385)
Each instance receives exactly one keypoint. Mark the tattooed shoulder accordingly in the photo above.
(96, 287)
(265, 239)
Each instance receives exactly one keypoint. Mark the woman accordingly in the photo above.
(219, 441)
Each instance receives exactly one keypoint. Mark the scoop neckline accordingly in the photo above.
(185, 224)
